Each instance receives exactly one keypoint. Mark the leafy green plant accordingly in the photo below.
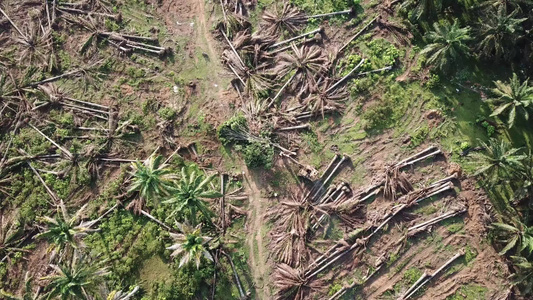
(258, 155)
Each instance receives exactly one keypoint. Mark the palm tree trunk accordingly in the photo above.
(375, 71)
(435, 220)
(67, 153)
(87, 103)
(232, 48)
(343, 290)
(357, 35)
(222, 203)
(304, 126)
(51, 79)
(345, 77)
(86, 109)
(281, 90)
(342, 12)
(237, 280)
(13, 24)
(412, 290)
(130, 37)
(296, 37)
(156, 220)
(83, 12)
(52, 195)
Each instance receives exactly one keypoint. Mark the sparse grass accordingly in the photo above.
(469, 292)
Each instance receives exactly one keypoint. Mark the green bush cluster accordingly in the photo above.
(125, 241)
(257, 153)
(226, 129)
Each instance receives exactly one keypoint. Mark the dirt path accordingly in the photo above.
(204, 31)
(257, 256)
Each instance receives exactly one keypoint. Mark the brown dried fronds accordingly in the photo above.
(309, 63)
(288, 17)
(395, 182)
(321, 100)
(36, 45)
(292, 284)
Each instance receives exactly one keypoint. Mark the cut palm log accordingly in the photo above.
(357, 35)
(156, 220)
(236, 276)
(425, 278)
(304, 126)
(344, 289)
(345, 77)
(423, 226)
(51, 193)
(62, 8)
(331, 14)
(387, 68)
(55, 78)
(318, 30)
(280, 90)
(12, 23)
(65, 151)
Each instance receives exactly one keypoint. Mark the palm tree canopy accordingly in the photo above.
(423, 10)
(77, 281)
(151, 179)
(517, 236)
(499, 162)
(190, 245)
(499, 33)
(512, 97)
(188, 193)
(62, 230)
(447, 44)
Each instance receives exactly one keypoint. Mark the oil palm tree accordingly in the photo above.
(78, 280)
(523, 275)
(151, 180)
(422, 10)
(499, 33)
(514, 236)
(187, 196)
(190, 245)
(447, 44)
(499, 162)
(65, 231)
(512, 97)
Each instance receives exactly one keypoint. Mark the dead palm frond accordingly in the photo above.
(253, 47)
(291, 219)
(289, 18)
(233, 24)
(307, 62)
(292, 284)
(253, 80)
(289, 247)
(35, 41)
(36, 46)
(395, 182)
(321, 100)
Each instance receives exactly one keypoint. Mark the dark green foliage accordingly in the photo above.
(447, 45)
(185, 283)
(225, 131)
(258, 155)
